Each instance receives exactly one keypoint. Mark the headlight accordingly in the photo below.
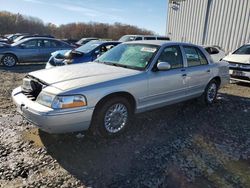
(62, 102)
(45, 99)
(68, 61)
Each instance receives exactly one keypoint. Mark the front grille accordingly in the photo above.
(34, 90)
(241, 77)
(239, 66)
(239, 69)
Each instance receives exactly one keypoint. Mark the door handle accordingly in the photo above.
(208, 70)
(184, 75)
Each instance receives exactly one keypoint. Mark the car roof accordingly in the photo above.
(103, 41)
(147, 36)
(29, 38)
(37, 38)
(160, 42)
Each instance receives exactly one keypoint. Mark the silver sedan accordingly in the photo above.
(132, 77)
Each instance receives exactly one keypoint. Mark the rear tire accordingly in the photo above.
(210, 93)
(9, 60)
(111, 117)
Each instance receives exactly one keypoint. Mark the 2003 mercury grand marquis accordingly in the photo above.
(130, 78)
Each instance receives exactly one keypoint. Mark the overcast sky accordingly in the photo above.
(148, 14)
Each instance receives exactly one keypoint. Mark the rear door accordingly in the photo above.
(47, 47)
(198, 70)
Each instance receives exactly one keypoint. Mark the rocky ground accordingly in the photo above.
(183, 145)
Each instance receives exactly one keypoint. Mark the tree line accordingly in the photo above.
(17, 23)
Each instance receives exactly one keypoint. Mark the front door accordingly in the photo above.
(167, 86)
(28, 51)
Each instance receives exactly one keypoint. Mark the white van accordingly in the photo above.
(127, 38)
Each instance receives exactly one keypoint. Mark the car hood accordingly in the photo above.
(81, 75)
(238, 58)
(67, 54)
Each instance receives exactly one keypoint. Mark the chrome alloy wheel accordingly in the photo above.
(9, 61)
(211, 92)
(116, 118)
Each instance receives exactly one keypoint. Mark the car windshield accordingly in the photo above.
(88, 47)
(243, 50)
(17, 39)
(18, 42)
(135, 56)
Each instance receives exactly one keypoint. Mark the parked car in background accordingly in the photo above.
(132, 77)
(31, 36)
(36, 49)
(239, 64)
(84, 41)
(88, 52)
(12, 37)
(127, 38)
(4, 39)
(215, 52)
(72, 42)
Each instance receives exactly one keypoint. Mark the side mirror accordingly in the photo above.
(230, 53)
(163, 66)
(97, 52)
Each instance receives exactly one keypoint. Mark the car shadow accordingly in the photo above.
(24, 68)
(148, 144)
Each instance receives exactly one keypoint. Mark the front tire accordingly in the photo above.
(111, 117)
(9, 60)
(210, 92)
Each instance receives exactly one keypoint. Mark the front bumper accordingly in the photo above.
(50, 120)
(240, 75)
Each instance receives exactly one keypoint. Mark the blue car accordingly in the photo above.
(86, 53)
(35, 49)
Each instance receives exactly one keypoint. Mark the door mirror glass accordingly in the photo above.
(163, 66)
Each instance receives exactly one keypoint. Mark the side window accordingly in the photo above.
(173, 56)
(163, 38)
(194, 56)
(149, 38)
(55, 44)
(30, 44)
(47, 44)
(138, 38)
(202, 57)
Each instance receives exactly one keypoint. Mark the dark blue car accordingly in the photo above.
(86, 53)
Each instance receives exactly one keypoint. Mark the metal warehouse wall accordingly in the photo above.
(210, 22)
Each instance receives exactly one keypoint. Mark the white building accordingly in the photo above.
(210, 22)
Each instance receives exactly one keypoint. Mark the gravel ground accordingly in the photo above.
(182, 145)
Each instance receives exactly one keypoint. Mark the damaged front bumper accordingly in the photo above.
(50, 120)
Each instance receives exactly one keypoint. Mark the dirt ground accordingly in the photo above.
(182, 145)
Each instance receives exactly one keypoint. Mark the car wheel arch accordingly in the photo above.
(127, 95)
(9, 53)
(217, 79)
